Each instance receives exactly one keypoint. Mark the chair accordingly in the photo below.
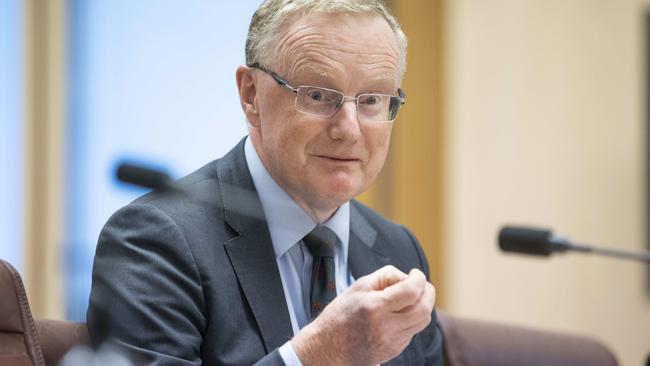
(19, 344)
(57, 337)
(477, 343)
(24, 342)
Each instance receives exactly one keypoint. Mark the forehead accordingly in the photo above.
(327, 45)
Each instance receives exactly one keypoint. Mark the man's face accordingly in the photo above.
(322, 162)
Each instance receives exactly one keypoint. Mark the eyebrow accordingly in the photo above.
(324, 75)
(318, 71)
(384, 77)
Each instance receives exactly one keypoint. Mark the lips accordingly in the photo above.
(339, 157)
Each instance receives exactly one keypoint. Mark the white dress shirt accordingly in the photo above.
(288, 223)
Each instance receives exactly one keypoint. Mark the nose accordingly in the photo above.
(345, 123)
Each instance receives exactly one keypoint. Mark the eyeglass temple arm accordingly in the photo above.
(402, 95)
(275, 77)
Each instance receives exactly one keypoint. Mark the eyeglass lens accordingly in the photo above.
(326, 102)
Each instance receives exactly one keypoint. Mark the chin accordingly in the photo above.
(341, 191)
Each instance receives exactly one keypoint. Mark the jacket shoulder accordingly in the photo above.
(374, 218)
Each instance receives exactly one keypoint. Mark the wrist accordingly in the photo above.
(314, 346)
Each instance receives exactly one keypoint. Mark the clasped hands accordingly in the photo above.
(371, 322)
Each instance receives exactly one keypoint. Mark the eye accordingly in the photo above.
(315, 95)
(371, 100)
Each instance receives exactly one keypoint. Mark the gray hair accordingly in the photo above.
(261, 41)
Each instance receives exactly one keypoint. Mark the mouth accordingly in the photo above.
(339, 158)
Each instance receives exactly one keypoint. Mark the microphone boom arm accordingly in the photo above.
(543, 242)
(610, 252)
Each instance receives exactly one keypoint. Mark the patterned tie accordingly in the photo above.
(320, 242)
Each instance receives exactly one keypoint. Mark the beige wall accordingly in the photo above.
(44, 144)
(545, 125)
(409, 189)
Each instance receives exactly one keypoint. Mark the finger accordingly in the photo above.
(406, 292)
(426, 300)
(418, 315)
(417, 327)
(381, 278)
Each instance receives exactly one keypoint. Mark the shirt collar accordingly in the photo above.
(289, 223)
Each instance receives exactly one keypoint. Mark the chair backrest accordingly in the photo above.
(477, 343)
(57, 337)
(19, 345)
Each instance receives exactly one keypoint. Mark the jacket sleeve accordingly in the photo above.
(147, 297)
(146, 291)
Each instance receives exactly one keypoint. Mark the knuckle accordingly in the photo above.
(417, 272)
(368, 308)
(411, 292)
(385, 300)
(390, 268)
(360, 283)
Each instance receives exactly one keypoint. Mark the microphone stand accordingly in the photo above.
(610, 252)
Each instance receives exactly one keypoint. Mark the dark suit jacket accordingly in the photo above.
(184, 279)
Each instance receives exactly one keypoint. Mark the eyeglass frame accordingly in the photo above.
(284, 83)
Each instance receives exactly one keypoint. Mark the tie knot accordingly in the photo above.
(320, 242)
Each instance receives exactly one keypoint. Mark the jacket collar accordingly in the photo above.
(365, 254)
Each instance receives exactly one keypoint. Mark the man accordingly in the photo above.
(267, 259)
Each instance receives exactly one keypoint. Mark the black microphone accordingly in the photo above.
(542, 242)
(160, 181)
(144, 177)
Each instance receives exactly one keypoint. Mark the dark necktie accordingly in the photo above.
(321, 242)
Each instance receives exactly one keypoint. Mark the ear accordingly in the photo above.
(248, 94)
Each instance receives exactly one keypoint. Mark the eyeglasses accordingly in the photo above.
(324, 102)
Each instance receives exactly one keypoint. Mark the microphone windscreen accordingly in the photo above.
(143, 177)
(525, 240)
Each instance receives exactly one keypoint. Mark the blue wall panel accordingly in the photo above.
(152, 81)
(11, 131)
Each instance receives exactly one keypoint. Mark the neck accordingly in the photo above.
(318, 212)
(319, 215)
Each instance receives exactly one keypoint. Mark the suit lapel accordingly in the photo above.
(364, 254)
(251, 252)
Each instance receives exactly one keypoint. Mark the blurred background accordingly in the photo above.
(518, 112)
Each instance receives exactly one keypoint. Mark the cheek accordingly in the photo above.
(378, 142)
(286, 137)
